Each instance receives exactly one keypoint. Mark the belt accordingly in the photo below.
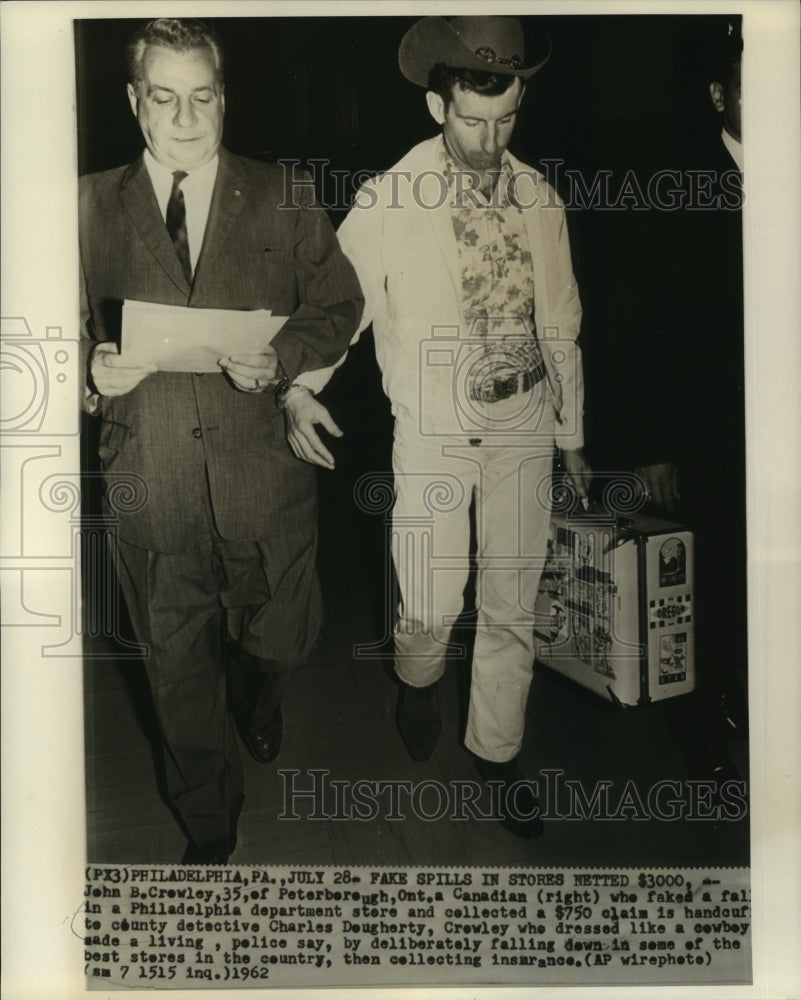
(493, 390)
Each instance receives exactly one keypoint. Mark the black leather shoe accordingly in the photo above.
(513, 797)
(215, 853)
(264, 744)
(419, 719)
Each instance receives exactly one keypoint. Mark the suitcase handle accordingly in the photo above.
(583, 509)
(620, 494)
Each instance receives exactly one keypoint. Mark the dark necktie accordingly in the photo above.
(176, 224)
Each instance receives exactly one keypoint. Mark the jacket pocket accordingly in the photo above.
(113, 437)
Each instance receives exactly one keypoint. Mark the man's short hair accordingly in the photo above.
(723, 70)
(726, 53)
(442, 79)
(181, 34)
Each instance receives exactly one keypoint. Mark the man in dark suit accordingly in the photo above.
(673, 394)
(702, 477)
(218, 553)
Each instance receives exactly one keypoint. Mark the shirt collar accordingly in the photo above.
(734, 147)
(164, 174)
(500, 196)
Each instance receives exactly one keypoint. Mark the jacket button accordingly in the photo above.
(197, 433)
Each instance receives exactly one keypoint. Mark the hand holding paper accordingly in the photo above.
(113, 375)
(252, 372)
(184, 339)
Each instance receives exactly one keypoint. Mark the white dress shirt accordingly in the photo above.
(197, 186)
(735, 149)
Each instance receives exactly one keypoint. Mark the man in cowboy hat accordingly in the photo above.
(463, 258)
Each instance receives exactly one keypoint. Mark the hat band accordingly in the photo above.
(488, 54)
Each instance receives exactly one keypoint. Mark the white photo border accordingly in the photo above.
(43, 786)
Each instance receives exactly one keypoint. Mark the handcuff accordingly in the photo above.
(283, 389)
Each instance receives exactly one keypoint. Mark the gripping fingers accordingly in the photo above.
(252, 372)
(112, 375)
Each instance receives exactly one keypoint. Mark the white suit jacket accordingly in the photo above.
(399, 238)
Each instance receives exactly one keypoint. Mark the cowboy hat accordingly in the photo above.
(490, 44)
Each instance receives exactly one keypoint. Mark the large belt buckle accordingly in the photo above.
(496, 389)
(507, 387)
(489, 391)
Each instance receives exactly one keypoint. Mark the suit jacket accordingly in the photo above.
(668, 317)
(399, 236)
(266, 246)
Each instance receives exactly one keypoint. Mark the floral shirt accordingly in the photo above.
(497, 271)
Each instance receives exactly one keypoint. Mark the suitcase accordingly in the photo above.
(614, 610)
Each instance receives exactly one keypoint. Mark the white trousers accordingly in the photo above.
(436, 478)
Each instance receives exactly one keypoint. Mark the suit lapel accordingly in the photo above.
(431, 193)
(228, 199)
(442, 225)
(139, 199)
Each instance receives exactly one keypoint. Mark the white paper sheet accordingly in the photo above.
(182, 339)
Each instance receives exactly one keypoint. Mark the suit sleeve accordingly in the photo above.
(90, 400)
(360, 240)
(318, 333)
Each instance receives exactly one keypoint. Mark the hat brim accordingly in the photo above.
(432, 40)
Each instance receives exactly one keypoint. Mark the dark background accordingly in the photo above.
(618, 93)
(331, 87)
